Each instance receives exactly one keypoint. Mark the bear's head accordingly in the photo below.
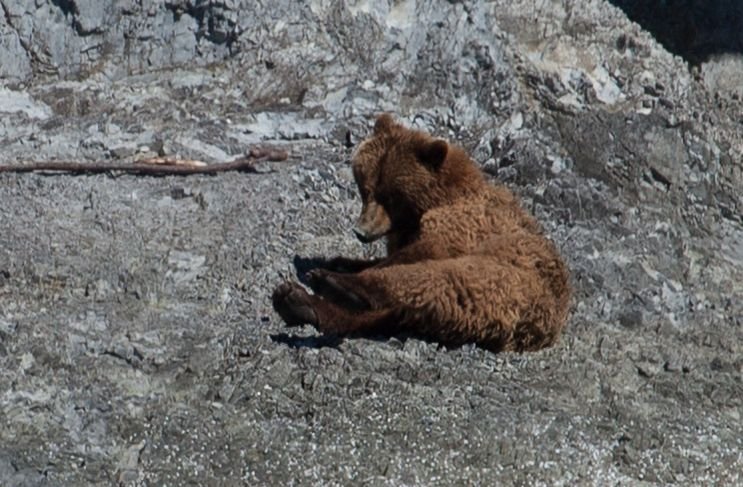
(402, 173)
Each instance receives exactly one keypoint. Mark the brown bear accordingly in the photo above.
(465, 262)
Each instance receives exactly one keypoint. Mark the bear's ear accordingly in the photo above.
(384, 124)
(433, 153)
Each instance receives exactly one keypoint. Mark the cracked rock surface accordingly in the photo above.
(137, 341)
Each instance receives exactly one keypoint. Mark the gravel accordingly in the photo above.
(137, 341)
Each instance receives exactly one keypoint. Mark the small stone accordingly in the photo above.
(666, 102)
(647, 369)
(122, 151)
(27, 361)
(672, 365)
(631, 319)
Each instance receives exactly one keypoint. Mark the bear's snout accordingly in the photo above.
(373, 223)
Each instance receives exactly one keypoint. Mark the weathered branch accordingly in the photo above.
(175, 167)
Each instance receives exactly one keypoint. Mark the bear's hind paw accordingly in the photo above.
(292, 303)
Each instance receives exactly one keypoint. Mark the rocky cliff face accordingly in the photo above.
(137, 343)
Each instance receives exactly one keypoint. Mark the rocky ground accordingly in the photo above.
(137, 341)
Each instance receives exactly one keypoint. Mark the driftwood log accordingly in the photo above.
(154, 166)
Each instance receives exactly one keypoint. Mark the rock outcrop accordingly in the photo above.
(137, 341)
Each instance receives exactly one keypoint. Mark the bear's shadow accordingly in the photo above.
(302, 265)
(316, 341)
(334, 341)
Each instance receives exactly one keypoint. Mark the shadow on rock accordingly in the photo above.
(693, 29)
(302, 265)
(294, 341)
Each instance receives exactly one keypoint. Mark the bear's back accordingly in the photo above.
(467, 225)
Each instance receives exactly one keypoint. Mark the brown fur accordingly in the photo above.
(465, 262)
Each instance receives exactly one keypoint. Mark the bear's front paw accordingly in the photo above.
(325, 283)
(336, 287)
(293, 304)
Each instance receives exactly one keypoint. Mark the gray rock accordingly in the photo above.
(137, 339)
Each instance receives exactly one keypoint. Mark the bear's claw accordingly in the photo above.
(292, 303)
(316, 278)
(325, 284)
